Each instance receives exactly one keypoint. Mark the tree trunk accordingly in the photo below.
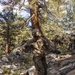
(7, 39)
(34, 15)
(7, 34)
(35, 20)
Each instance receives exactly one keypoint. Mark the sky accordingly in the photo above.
(1, 7)
(23, 13)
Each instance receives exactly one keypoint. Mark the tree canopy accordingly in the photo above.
(19, 17)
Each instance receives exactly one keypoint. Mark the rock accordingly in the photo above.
(6, 66)
(12, 71)
(23, 72)
(64, 70)
(73, 51)
(71, 73)
(17, 50)
(15, 67)
(54, 56)
(0, 61)
(65, 56)
(53, 72)
(51, 63)
(1, 71)
(5, 59)
(66, 62)
(30, 71)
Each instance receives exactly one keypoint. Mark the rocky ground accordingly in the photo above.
(15, 65)
(22, 64)
(61, 64)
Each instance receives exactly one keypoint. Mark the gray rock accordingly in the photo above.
(72, 72)
(54, 72)
(73, 51)
(0, 61)
(5, 59)
(66, 62)
(64, 70)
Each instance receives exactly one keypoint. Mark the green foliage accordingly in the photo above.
(63, 49)
(1, 53)
(17, 32)
(54, 17)
(50, 30)
(26, 59)
(16, 73)
(6, 70)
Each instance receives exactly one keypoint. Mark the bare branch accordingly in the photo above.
(27, 21)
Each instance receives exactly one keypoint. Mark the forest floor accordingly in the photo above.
(19, 65)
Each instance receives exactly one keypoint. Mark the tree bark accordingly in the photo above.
(7, 34)
(7, 40)
(34, 19)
